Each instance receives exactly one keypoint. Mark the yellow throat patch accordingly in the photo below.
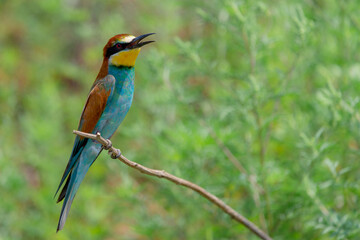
(125, 58)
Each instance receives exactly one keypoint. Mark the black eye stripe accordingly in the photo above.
(116, 48)
(121, 45)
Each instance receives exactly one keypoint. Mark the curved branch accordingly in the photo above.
(162, 174)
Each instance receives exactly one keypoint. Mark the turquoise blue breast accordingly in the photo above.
(119, 102)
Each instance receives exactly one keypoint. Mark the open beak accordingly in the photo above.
(136, 42)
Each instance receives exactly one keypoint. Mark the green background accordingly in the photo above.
(256, 101)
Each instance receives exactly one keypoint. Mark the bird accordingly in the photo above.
(107, 104)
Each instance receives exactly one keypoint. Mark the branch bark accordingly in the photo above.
(162, 174)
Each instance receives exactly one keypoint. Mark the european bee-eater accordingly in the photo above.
(107, 104)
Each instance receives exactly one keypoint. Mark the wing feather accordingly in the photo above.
(93, 109)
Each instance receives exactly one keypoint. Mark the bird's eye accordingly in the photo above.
(118, 46)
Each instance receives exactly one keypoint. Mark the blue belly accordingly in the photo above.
(114, 113)
(120, 102)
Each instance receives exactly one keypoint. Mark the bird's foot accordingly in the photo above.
(108, 145)
(116, 153)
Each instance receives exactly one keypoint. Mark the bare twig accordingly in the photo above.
(252, 178)
(262, 151)
(162, 174)
(225, 149)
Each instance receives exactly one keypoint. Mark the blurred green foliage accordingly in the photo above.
(257, 101)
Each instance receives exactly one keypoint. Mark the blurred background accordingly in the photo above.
(256, 101)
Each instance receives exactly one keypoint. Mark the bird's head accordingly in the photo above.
(123, 49)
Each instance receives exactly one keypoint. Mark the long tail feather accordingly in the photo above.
(75, 178)
(63, 191)
(74, 157)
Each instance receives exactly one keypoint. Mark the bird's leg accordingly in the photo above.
(108, 145)
(114, 153)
